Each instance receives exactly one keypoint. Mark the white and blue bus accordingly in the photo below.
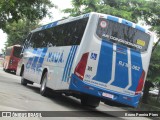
(95, 57)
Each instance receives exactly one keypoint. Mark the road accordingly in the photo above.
(15, 97)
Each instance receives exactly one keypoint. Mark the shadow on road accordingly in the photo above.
(72, 104)
(33, 88)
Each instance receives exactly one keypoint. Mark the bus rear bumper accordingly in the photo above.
(78, 85)
(12, 68)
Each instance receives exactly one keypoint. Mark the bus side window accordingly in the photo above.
(8, 52)
(67, 34)
(77, 31)
(62, 35)
(26, 43)
(52, 40)
(46, 40)
(37, 40)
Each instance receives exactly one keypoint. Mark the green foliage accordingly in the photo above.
(18, 17)
(14, 10)
(17, 31)
(128, 9)
(154, 68)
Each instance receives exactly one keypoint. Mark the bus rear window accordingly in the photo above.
(8, 51)
(17, 51)
(122, 34)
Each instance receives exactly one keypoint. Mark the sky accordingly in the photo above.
(56, 15)
(3, 38)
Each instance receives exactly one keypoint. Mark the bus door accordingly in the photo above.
(33, 67)
(30, 54)
(38, 64)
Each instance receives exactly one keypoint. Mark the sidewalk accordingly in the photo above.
(147, 108)
(144, 107)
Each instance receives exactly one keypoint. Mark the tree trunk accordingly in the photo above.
(147, 86)
(155, 45)
(158, 96)
(158, 93)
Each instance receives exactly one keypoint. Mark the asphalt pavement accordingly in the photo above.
(15, 97)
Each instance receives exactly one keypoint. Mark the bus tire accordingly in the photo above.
(23, 80)
(6, 70)
(44, 91)
(91, 101)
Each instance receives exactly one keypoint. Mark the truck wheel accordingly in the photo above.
(90, 101)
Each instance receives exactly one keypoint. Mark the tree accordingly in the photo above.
(154, 69)
(17, 31)
(151, 16)
(18, 17)
(122, 8)
(14, 10)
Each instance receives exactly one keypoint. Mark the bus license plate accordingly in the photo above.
(107, 95)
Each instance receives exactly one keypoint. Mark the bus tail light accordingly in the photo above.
(80, 68)
(140, 83)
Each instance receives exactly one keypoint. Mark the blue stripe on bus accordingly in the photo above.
(136, 60)
(116, 19)
(140, 28)
(31, 58)
(77, 84)
(43, 27)
(35, 60)
(41, 59)
(86, 15)
(73, 56)
(121, 71)
(49, 25)
(104, 69)
(54, 24)
(126, 22)
(66, 65)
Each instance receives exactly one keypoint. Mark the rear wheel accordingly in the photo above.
(44, 91)
(90, 101)
(23, 80)
(7, 70)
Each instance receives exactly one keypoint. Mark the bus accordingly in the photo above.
(94, 57)
(12, 57)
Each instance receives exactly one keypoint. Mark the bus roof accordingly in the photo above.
(109, 17)
(14, 46)
(58, 22)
